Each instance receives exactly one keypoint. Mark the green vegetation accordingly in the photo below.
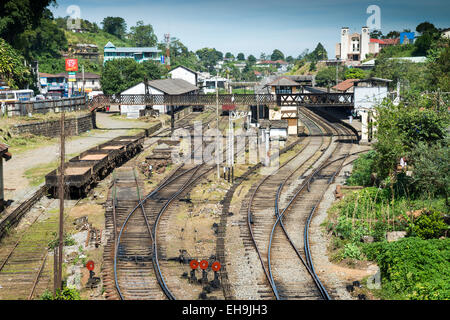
(65, 294)
(412, 199)
(11, 66)
(121, 74)
(413, 268)
(362, 170)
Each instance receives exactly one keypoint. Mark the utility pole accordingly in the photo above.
(82, 71)
(337, 62)
(61, 204)
(218, 131)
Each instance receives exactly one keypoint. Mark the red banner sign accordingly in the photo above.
(71, 64)
(228, 107)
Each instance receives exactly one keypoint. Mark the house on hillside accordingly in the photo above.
(355, 47)
(157, 87)
(140, 54)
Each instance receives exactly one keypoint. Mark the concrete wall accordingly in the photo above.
(73, 126)
(368, 97)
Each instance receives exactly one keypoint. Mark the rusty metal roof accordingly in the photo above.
(4, 152)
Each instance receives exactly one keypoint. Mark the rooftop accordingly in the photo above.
(283, 81)
(386, 41)
(344, 85)
(173, 86)
(111, 47)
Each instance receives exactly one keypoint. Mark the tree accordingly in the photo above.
(290, 59)
(251, 59)
(16, 16)
(115, 26)
(354, 73)
(430, 163)
(143, 35)
(44, 41)
(376, 34)
(326, 77)
(277, 55)
(229, 55)
(153, 70)
(209, 57)
(392, 35)
(12, 68)
(426, 27)
(121, 74)
(241, 56)
(319, 53)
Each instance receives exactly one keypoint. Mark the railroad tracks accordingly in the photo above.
(283, 251)
(24, 269)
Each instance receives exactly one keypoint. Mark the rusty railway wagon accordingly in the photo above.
(83, 172)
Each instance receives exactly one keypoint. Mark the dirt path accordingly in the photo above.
(17, 186)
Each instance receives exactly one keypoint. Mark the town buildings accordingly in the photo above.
(355, 47)
(59, 84)
(112, 52)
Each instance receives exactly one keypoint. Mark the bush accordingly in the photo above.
(351, 251)
(362, 170)
(65, 294)
(428, 225)
(412, 268)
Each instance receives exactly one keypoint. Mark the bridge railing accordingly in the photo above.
(315, 99)
(299, 99)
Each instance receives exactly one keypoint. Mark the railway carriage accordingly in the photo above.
(84, 171)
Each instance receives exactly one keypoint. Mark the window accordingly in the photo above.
(283, 90)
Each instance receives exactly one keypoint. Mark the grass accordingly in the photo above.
(36, 175)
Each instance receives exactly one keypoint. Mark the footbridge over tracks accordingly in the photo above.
(316, 99)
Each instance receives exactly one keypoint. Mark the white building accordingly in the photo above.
(209, 85)
(157, 87)
(182, 72)
(355, 46)
(368, 93)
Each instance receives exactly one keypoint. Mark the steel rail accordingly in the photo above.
(308, 263)
(249, 213)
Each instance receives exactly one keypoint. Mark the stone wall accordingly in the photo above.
(73, 126)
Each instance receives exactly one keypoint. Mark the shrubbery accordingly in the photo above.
(413, 268)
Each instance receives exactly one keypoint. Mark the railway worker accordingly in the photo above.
(150, 169)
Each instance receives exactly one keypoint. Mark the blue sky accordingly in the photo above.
(252, 26)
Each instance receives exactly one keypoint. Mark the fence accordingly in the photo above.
(14, 109)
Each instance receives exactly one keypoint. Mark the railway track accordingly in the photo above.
(131, 269)
(287, 271)
(24, 269)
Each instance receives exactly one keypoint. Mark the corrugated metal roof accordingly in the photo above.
(283, 81)
(173, 86)
(345, 85)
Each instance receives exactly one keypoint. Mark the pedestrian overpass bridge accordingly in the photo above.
(317, 99)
